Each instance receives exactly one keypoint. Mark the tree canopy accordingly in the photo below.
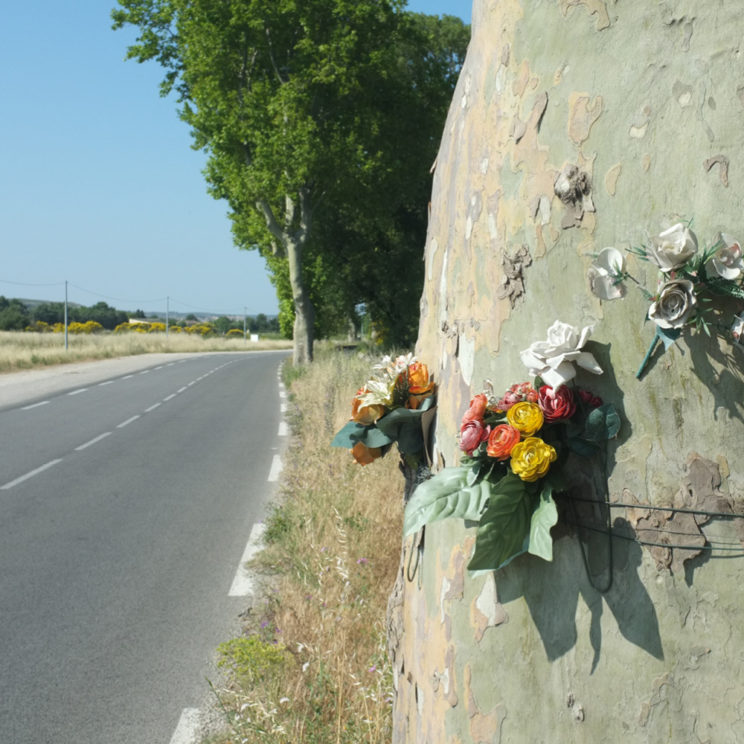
(320, 120)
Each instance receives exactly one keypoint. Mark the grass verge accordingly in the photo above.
(22, 350)
(312, 666)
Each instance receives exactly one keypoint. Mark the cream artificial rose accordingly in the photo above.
(553, 359)
(673, 247)
(675, 304)
(727, 261)
(605, 274)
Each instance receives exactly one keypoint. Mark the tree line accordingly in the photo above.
(320, 121)
(17, 315)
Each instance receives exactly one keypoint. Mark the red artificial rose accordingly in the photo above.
(517, 393)
(589, 399)
(556, 403)
(472, 434)
(501, 440)
(477, 408)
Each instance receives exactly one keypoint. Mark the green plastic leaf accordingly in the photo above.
(445, 495)
(602, 423)
(403, 426)
(474, 472)
(349, 435)
(504, 526)
(582, 447)
(354, 432)
(544, 517)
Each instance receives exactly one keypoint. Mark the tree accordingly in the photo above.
(13, 315)
(290, 101)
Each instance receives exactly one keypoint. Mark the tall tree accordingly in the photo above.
(289, 101)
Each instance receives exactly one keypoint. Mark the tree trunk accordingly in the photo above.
(580, 124)
(290, 242)
(304, 312)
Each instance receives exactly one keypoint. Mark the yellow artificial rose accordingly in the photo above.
(531, 458)
(526, 417)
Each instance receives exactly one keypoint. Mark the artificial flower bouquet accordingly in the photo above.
(689, 283)
(514, 451)
(389, 409)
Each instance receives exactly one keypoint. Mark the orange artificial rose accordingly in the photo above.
(477, 408)
(501, 440)
(365, 455)
(418, 379)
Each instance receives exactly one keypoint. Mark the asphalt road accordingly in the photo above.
(125, 507)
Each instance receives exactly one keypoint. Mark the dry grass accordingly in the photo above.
(333, 547)
(21, 350)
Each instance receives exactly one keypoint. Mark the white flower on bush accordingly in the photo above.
(727, 261)
(675, 304)
(673, 247)
(553, 359)
(605, 274)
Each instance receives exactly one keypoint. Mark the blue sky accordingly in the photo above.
(98, 184)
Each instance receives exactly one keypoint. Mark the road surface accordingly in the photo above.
(125, 507)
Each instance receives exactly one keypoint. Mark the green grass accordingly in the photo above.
(312, 664)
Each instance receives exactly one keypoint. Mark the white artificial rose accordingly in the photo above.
(605, 274)
(675, 304)
(553, 359)
(674, 247)
(727, 261)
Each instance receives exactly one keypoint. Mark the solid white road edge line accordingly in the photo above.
(276, 469)
(242, 584)
(187, 727)
(30, 474)
(93, 441)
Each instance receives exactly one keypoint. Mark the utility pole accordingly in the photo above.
(167, 314)
(245, 324)
(66, 339)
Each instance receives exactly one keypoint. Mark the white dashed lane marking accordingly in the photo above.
(188, 725)
(275, 467)
(243, 584)
(93, 441)
(128, 421)
(35, 405)
(30, 474)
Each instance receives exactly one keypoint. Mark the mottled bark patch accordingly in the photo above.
(665, 532)
(512, 278)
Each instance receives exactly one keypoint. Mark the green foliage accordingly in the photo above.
(320, 121)
(252, 660)
(102, 313)
(13, 315)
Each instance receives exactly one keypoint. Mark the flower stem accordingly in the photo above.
(650, 351)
